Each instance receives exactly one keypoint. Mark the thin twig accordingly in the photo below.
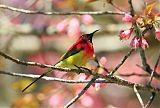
(138, 96)
(41, 65)
(155, 73)
(59, 13)
(81, 93)
(131, 7)
(114, 5)
(144, 61)
(149, 83)
(122, 61)
(150, 100)
(32, 76)
(146, 67)
(155, 67)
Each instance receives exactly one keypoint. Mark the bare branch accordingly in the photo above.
(59, 13)
(131, 7)
(121, 63)
(146, 66)
(150, 100)
(155, 67)
(149, 83)
(42, 65)
(138, 96)
(114, 79)
(81, 93)
(144, 61)
(155, 73)
(32, 76)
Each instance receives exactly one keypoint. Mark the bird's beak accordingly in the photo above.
(91, 35)
(94, 32)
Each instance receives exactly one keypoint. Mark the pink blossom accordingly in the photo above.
(83, 77)
(87, 19)
(55, 101)
(103, 61)
(157, 31)
(73, 28)
(134, 43)
(98, 86)
(143, 43)
(87, 101)
(127, 18)
(125, 34)
(62, 26)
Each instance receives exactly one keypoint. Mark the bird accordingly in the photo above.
(78, 55)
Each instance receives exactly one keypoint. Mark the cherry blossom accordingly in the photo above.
(127, 18)
(87, 19)
(134, 43)
(125, 34)
(143, 43)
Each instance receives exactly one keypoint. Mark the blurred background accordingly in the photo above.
(44, 38)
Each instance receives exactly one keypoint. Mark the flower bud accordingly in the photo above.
(143, 43)
(127, 18)
(125, 34)
(134, 43)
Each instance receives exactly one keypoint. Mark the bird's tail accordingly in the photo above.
(58, 64)
(44, 74)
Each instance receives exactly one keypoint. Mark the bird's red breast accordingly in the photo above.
(87, 47)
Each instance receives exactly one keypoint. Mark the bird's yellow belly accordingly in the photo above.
(77, 59)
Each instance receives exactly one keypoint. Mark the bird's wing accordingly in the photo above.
(71, 52)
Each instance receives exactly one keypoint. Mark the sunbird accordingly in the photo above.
(77, 55)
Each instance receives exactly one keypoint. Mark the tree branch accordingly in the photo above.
(155, 67)
(59, 13)
(42, 65)
(155, 73)
(146, 66)
(114, 79)
(131, 7)
(81, 93)
(121, 63)
(150, 99)
(51, 78)
(138, 96)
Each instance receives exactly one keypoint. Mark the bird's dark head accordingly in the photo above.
(89, 36)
